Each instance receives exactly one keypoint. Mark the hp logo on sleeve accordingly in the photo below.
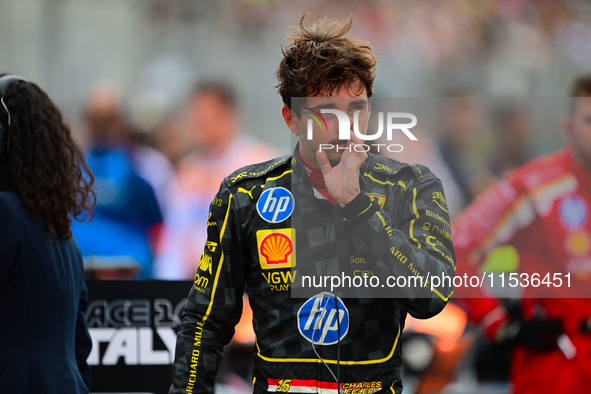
(275, 205)
(318, 321)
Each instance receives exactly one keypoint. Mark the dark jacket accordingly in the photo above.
(44, 340)
(397, 226)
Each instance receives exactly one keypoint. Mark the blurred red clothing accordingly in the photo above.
(542, 211)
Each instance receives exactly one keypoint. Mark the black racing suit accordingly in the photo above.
(398, 225)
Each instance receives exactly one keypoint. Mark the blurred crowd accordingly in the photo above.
(496, 47)
(160, 142)
(155, 178)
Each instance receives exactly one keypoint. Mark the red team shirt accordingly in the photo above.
(539, 217)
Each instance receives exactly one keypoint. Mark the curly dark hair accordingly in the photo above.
(323, 59)
(44, 166)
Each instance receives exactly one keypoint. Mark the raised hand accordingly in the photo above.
(342, 180)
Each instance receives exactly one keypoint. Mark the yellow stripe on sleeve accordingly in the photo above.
(412, 222)
(219, 270)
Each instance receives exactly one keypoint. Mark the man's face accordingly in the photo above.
(578, 131)
(209, 119)
(348, 99)
(103, 117)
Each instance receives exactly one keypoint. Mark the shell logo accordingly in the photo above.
(276, 248)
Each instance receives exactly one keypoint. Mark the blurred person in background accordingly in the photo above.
(537, 220)
(119, 241)
(512, 130)
(213, 123)
(461, 124)
(149, 118)
(44, 339)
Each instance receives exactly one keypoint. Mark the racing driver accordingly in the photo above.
(334, 210)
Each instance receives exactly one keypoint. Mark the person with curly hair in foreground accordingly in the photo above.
(44, 339)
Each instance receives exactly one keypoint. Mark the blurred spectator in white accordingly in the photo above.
(213, 123)
(118, 242)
